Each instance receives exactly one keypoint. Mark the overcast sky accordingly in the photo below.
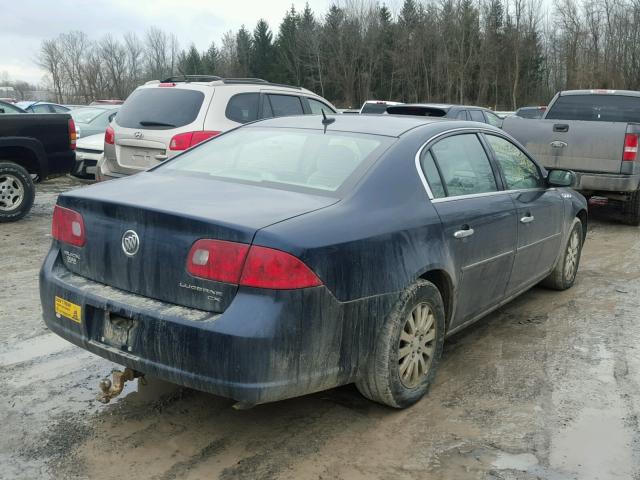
(25, 23)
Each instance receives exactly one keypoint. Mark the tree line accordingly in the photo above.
(497, 53)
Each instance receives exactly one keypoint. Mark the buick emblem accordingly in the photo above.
(138, 134)
(130, 243)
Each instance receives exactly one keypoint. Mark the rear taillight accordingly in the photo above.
(73, 135)
(167, 84)
(68, 226)
(630, 147)
(182, 141)
(109, 135)
(250, 266)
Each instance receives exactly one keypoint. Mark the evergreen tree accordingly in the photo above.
(262, 51)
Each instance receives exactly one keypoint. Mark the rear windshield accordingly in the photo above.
(282, 157)
(85, 115)
(533, 112)
(420, 111)
(374, 108)
(596, 107)
(160, 108)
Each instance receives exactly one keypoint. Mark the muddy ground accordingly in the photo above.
(547, 387)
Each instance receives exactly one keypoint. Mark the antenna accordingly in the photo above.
(326, 121)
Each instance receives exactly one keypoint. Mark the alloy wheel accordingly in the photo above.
(417, 345)
(11, 192)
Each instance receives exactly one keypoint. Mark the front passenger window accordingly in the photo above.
(519, 171)
(464, 165)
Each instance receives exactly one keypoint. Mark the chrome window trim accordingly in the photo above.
(425, 183)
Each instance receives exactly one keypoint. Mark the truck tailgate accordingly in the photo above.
(583, 146)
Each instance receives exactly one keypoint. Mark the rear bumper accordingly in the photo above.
(267, 345)
(601, 182)
(60, 163)
(86, 165)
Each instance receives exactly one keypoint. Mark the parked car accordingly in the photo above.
(161, 119)
(459, 112)
(6, 107)
(34, 145)
(93, 120)
(42, 107)
(503, 113)
(348, 111)
(595, 133)
(89, 151)
(8, 100)
(377, 106)
(530, 112)
(295, 254)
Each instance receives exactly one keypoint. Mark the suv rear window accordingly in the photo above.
(596, 108)
(420, 111)
(160, 108)
(243, 107)
(285, 158)
(374, 108)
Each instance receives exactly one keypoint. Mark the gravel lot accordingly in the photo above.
(547, 387)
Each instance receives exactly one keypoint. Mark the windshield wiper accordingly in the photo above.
(151, 123)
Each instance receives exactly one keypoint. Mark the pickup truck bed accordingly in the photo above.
(32, 145)
(597, 138)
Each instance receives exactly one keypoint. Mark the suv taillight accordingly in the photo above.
(73, 135)
(182, 141)
(109, 135)
(68, 226)
(251, 266)
(630, 152)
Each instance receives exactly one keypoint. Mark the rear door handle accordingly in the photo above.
(527, 219)
(561, 127)
(467, 232)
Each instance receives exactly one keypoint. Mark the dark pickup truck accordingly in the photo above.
(32, 147)
(596, 134)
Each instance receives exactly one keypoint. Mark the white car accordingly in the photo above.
(377, 106)
(89, 151)
(163, 118)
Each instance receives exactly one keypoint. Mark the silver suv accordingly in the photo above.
(161, 119)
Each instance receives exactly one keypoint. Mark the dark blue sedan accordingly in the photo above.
(296, 254)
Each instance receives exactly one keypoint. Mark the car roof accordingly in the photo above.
(97, 107)
(601, 91)
(442, 106)
(387, 125)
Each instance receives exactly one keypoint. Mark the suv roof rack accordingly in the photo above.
(192, 78)
(256, 81)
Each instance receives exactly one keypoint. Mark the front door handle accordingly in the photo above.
(528, 219)
(561, 127)
(467, 232)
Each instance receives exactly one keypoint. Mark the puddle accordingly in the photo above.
(33, 348)
(510, 461)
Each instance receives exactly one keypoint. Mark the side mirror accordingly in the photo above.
(561, 178)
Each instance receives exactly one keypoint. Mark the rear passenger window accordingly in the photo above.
(318, 107)
(476, 116)
(433, 176)
(464, 165)
(519, 171)
(285, 105)
(462, 115)
(243, 107)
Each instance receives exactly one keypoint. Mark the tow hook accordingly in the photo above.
(111, 389)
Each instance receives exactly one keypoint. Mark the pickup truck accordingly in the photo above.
(32, 147)
(594, 133)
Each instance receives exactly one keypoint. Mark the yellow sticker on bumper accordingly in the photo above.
(67, 309)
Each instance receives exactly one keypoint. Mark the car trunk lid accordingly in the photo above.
(168, 215)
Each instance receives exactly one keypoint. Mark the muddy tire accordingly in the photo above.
(631, 210)
(407, 352)
(565, 271)
(17, 192)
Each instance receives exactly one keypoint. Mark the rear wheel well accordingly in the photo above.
(582, 216)
(442, 281)
(22, 156)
